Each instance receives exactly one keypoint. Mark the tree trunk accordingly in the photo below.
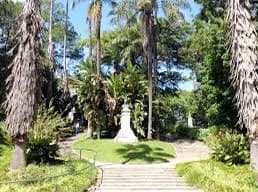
(146, 24)
(90, 37)
(149, 135)
(90, 129)
(64, 56)
(18, 158)
(98, 26)
(50, 54)
(254, 154)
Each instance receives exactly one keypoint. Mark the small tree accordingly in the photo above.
(23, 82)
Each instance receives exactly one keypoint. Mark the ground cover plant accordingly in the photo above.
(212, 176)
(71, 182)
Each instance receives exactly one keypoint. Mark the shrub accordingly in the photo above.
(231, 149)
(183, 131)
(42, 145)
(41, 150)
(212, 134)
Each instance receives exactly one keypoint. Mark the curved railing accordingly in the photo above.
(90, 166)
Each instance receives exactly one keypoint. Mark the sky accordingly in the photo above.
(78, 14)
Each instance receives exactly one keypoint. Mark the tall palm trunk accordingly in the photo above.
(23, 83)
(146, 24)
(90, 37)
(50, 53)
(65, 80)
(244, 70)
(98, 28)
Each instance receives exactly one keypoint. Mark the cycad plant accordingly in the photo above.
(243, 65)
(23, 82)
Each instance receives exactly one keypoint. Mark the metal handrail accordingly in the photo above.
(90, 167)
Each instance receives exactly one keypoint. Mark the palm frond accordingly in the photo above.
(23, 82)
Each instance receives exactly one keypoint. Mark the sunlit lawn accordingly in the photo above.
(70, 182)
(139, 152)
(214, 176)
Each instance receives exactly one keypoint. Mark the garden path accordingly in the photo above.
(156, 177)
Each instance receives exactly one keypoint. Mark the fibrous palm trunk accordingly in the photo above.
(23, 83)
(146, 24)
(244, 69)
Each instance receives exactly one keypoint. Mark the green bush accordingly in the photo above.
(211, 134)
(41, 150)
(182, 131)
(42, 145)
(231, 149)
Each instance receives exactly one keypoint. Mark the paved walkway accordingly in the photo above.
(160, 177)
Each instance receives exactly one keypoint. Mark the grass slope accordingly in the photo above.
(69, 183)
(214, 176)
(140, 152)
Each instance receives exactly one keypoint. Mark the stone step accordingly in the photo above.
(140, 171)
(147, 188)
(137, 175)
(149, 185)
(139, 180)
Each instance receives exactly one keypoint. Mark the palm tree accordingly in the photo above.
(94, 17)
(51, 50)
(65, 80)
(243, 65)
(23, 82)
(148, 18)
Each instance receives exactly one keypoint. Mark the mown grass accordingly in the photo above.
(71, 182)
(212, 176)
(139, 152)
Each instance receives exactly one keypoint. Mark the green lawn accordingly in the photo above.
(214, 176)
(140, 152)
(69, 183)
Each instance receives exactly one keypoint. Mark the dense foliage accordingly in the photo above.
(231, 149)
(43, 139)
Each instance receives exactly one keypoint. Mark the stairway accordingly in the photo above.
(141, 178)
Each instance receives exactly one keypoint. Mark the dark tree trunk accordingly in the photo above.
(254, 154)
(18, 158)
(146, 24)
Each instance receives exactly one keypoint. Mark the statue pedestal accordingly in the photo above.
(125, 134)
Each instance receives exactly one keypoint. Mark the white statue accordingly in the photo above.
(125, 134)
(190, 120)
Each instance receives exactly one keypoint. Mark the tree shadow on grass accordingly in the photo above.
(143, 153)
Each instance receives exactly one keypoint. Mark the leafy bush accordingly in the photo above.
(42, 145)
(41, 150)
(231, 149)
(183, 131)
(212, 134)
